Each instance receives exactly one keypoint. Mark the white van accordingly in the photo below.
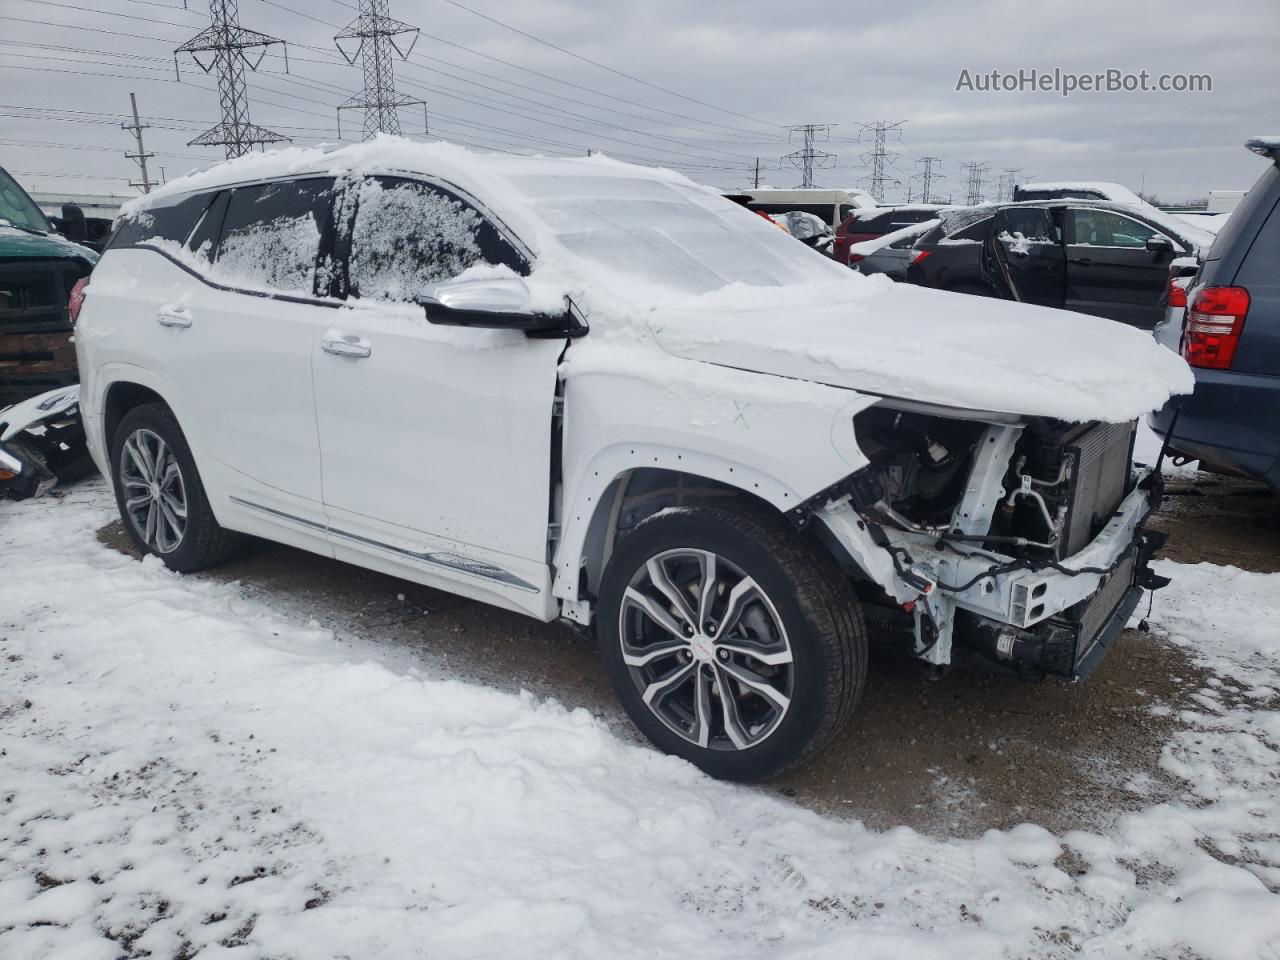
(586, 390)
(832, 206)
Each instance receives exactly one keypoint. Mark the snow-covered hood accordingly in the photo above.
(937, 347)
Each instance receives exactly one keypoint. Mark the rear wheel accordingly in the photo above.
(161, 499)
(730, 641)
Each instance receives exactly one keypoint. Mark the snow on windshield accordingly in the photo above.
(668, 234)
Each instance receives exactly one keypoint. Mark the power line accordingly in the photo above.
(229, 44)
(613, 70)
(375, 34)
(807, 157)
(141, 157)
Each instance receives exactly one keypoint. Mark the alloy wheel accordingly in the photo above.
(706, 649)
(155, 495)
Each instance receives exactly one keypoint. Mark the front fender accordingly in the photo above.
(778, 439)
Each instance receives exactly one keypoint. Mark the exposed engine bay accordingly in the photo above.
(1023, 538)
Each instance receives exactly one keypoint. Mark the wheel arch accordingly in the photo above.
(611, 502)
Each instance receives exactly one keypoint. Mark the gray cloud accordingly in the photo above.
(775, 63)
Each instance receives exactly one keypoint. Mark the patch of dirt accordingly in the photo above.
(954, 756)
(1223, 520)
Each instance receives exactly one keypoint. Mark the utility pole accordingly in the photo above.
(879, 158)
(225, 47)
(807, 158)
(927, 176)
(756, 181)
(141, 157)
(376, 37)
(974, 173)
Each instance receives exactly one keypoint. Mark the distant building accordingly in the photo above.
(104, 206)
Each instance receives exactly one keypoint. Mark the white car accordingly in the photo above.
(586, 390)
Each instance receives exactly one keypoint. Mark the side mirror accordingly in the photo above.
(500, 303)
(74, 226)
(1158, 245)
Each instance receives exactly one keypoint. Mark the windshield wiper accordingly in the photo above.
(18, 226)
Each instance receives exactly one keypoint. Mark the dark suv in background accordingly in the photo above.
(1231, 338)
(1096, 257)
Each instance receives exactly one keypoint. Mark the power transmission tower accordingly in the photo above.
(807, 158)
(374, 36)
(927, 176)
(226, 48)
(141, 157)
(1008, 181)
(975, 171)
(879, 158)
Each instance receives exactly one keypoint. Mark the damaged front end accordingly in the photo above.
(1017, 543)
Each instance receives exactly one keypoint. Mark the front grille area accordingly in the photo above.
(1101, 459)
(33, 294)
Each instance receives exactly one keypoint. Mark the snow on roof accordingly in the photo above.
(1112, 191)
(644, 249)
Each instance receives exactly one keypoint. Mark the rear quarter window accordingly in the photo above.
(172, 221)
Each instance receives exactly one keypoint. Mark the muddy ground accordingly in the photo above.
(959, 755)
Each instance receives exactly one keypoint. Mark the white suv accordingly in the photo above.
(585, 390)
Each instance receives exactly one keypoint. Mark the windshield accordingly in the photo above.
(670, 235)
(16, 207)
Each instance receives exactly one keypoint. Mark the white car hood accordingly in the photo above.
(942, 348)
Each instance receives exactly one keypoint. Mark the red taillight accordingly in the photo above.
(1215, 320)
(855, 257)
(76, 300)
(917, 257)
(1178, 291)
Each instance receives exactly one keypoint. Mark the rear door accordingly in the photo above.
(1028, 254)
(1110, 271)
(240, 344)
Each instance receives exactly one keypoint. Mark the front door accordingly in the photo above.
(436, 440)
(1026, 248)
(1110, 271)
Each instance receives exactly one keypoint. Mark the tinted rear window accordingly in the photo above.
(171, 221)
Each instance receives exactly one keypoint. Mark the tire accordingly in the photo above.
(184, 543)
(795, 608)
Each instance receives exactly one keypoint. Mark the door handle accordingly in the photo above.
(346, 345)
(1083, 261)
(174, 315)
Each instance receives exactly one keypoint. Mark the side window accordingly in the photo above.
(408, 234)
(1033, 224)
(168, 221)
(976, 231)
(204, 238)
(271, 235)
(1102, 228)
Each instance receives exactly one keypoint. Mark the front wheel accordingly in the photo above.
(730, 640)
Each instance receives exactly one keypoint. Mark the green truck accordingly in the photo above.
(38, 269)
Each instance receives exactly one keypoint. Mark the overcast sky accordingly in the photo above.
(735, 74)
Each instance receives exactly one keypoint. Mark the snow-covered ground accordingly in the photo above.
(185, 772)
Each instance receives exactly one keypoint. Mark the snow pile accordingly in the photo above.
(184, 772)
